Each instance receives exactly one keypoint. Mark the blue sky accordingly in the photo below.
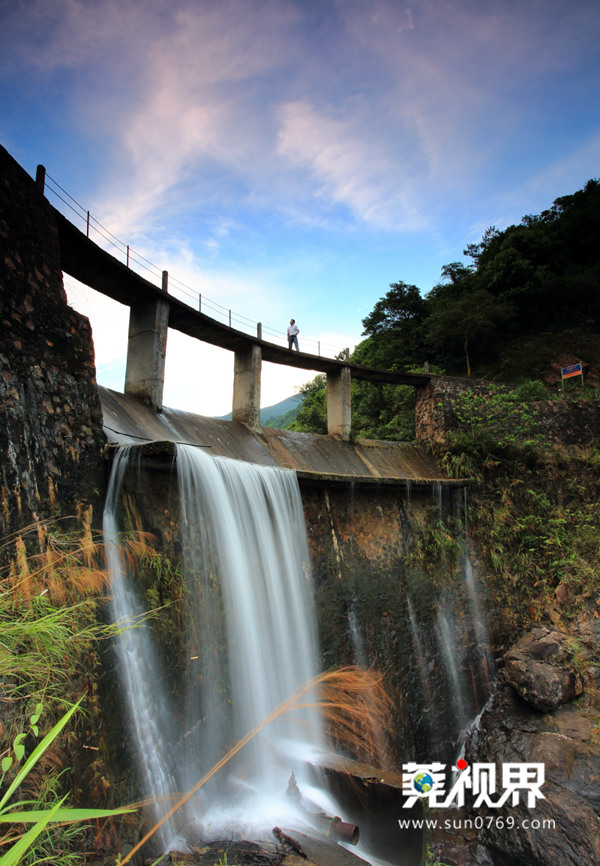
(293, 158)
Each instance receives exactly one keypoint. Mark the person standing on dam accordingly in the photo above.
(292, 333)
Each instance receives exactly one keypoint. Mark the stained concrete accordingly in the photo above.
(127, 420)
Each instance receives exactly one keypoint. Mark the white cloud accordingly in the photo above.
(109, 321)
(215, 130)
(351, 166)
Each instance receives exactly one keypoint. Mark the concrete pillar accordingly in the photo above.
(146, 351)
(247, 368)
(339, 402)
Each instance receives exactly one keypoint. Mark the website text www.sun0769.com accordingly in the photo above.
(478, 823)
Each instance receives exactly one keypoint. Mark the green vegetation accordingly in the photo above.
(282, 422)
(41, 841)
(526, 304)
(49, 636)
(534, 510)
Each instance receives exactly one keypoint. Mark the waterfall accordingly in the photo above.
(138, 665)
(240, 638)
(249, 637)
(480, 626)
(452, 657)
(246, 554)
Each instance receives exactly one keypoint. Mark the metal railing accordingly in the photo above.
(194, 299)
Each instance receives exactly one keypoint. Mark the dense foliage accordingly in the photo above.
(528, 301)
(534, 511)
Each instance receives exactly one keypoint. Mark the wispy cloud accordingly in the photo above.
(277, 154)
(378, 107)
(350, 166)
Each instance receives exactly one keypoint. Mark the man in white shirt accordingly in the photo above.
(292, 333)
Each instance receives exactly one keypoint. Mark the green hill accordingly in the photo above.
(527, 304)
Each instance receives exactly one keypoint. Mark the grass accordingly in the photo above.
(533, 509)
(51, 587)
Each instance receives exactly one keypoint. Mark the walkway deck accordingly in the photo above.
(87, 262)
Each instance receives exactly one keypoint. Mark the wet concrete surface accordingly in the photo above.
(313, 456)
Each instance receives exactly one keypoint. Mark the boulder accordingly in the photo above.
(563, 829)
(541, 669)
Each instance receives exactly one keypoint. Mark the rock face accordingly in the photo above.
(564, 828)
(51, 437)
(540, 668)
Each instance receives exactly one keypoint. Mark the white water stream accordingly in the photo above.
(248, 621)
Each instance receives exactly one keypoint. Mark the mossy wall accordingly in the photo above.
(387, 565)
(572, 421)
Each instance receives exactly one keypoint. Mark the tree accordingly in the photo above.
(474, 251)
(312, 417)
(472, 314)
(394, 330)
(400, 309)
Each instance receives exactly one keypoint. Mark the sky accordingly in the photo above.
(293, 158)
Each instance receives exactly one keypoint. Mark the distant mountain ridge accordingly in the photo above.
(278, 415)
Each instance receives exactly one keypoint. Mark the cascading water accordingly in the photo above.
(251, 643)
(246, 560)
(138, 664)
(450, 652)
(245, 626)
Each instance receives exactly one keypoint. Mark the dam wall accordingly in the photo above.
(56, 422)
(51, 439)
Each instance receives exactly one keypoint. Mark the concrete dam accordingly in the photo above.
(363, 521)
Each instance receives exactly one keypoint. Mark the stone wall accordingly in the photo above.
(378, 594)
(570, 421)
(51, 437)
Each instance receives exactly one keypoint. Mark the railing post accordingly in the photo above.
(165, 282)
(127, 255)
(230, 318)
(259, 330)
(40, 178)
(199, 303)
(87, 231)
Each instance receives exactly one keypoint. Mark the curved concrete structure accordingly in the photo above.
(314, 457)
(153, 311)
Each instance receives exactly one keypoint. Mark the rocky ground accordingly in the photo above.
(546, 710)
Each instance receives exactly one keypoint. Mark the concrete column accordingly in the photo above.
(146, 352)
(339, 402)
(247, 368)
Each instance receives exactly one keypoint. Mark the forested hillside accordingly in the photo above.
(528, 303)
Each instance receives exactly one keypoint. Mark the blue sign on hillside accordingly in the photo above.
(572, 370)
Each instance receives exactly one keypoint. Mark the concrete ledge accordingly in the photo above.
(314, 457)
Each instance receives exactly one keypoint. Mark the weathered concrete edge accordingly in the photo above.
(162, 453)
(377, 481)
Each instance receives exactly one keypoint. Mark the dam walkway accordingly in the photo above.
(153, 310)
